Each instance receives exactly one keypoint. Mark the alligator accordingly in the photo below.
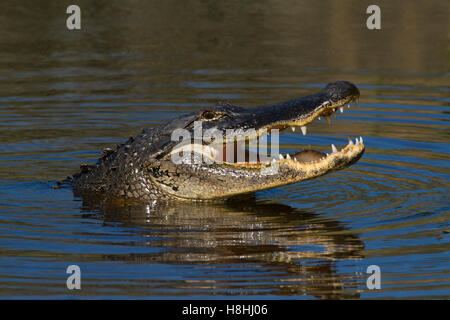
(143, 168)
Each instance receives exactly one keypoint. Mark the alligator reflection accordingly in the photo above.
(290, 251)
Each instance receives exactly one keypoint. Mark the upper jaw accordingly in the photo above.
(318, 105)
(254, 122)
(293, 113)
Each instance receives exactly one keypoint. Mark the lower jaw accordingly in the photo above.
(308, 156)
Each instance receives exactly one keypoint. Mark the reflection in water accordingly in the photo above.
(299, 247)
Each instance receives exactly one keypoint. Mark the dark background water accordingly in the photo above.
(65, 95)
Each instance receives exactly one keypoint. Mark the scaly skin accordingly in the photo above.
(142, 168)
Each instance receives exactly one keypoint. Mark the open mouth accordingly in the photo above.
(240, 151)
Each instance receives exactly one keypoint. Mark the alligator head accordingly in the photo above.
(156, 164)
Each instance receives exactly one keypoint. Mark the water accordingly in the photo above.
(66, 95)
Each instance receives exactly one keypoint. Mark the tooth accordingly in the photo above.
(360, 139)
(281, 156)
(295, 159)
(350, 142)
(333, 147)
(348, 106)
(319, 118)
(357, 142)
(327, 154)
(293, 129)
(288, 156)
(303, 130)
(341, 109)
(334, 109)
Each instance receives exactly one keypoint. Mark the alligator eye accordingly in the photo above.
(210, 115)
